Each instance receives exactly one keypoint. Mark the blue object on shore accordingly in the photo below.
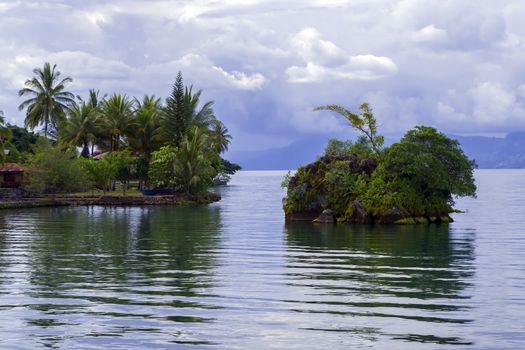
(156, 192)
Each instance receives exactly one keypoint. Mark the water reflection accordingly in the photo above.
(416, 276)
(120, 270)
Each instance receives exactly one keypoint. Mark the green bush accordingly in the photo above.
(53, 171)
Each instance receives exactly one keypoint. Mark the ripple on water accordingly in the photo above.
(234, 275)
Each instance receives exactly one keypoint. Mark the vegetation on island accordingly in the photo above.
(413, 181)
(101, 141)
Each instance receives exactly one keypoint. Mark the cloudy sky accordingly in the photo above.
(458, 65)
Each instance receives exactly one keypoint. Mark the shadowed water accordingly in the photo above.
(233, 275)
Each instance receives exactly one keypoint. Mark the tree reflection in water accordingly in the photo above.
(97, 265)
(383, 280)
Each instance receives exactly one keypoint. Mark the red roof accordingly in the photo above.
(12, 168)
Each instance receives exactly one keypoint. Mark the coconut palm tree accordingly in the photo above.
(116, 115)
(145, 135)
(94, 98)
(202, 117)
(48, 98)
(79, 129)
(220, 137)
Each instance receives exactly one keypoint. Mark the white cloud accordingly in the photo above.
(494, 104)
(204, 72)
(308, 45)
(429, 33)
(326, 61)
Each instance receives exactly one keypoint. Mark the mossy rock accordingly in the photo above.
(418, 220)
(445, 219)
(421, 220)
(405, 221)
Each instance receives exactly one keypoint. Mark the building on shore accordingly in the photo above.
(12, 175)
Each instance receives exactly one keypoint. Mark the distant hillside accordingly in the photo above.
(290, 157)
(489, 153)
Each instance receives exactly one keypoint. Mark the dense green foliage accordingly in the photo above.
(193, 166)
(122, 139)
(363, 182)
(188, 167)
(55, 171)
(99, 172)
(161, 171)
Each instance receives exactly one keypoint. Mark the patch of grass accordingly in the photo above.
(132, 192)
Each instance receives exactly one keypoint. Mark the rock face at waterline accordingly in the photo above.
(334, 189)
(326, 217)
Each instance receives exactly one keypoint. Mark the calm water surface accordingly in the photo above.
(234, 276)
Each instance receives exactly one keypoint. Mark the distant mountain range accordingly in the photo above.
(489, 153)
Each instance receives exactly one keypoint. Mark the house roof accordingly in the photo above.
(12, 168)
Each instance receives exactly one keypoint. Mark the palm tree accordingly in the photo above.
(192, 168)
(116, 117)
(80, 128)
(202, 117)
(365, 122)
(220, 137)
(94, 98)
(145, 135)
(48, 99)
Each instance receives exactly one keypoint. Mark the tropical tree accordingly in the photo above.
(145, 135)
(424, 171)
(161, 173)
(53, 171)
(21, 143)
(122, 161)
(116, 118)
(220, 137)
(173, 118)
(48, 98)
(100, 172)
(79, 129)
(365, 122)
(192, 166)
(183, 112)
(196, 115)
(94, 98)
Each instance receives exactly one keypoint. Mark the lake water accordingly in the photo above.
(233, 275)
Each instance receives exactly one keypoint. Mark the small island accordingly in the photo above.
(111, 150)
(413, 181)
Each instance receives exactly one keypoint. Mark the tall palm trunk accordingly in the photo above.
(46, 119)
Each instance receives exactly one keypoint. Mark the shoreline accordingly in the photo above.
(109, 200)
